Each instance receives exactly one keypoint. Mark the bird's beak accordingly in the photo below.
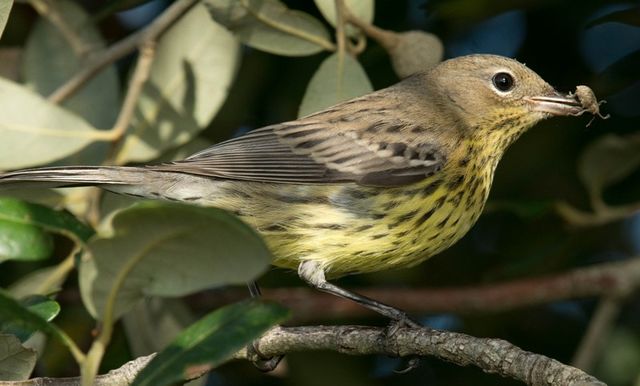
(556, 104)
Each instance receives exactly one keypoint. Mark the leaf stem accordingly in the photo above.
(341, 40)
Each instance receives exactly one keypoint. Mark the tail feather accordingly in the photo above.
(72, 176)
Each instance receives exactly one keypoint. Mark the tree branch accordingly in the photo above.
(122, 48)
(491, 355)
(617, 278)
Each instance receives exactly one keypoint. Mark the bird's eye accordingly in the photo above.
(503, 81)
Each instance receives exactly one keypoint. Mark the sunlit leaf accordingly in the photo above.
(42, 306)
(16, 361)
(362, 9)
(49, 61)
(334, 82)
(194, 65)
(5, 10)
(167, 249)
(608, 160)
(210, 342)
(36, 132)
(270, 26)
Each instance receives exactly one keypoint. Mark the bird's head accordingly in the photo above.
(498, 96)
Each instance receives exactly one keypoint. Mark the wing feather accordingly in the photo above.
(313, 151)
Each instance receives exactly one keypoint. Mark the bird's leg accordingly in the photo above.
(254, 289)
(259, 360)
(313, 273)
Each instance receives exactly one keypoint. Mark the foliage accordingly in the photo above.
(224, 64)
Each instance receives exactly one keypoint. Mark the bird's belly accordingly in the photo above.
(351, 229)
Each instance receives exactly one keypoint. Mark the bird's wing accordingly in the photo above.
(313, 151)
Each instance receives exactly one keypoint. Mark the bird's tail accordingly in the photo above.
(108, 177)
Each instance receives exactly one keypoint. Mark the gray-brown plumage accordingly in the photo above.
(385, 180)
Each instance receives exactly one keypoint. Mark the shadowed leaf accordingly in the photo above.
(607, 161)
(333, 83)
(210, 342)
(16, 361)
(42, 306)
(166, 249)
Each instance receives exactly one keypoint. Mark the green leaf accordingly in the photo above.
(152, 324)
(49, 61)
(194, 65)
(16, 361)
(167, 249)
(44, 307)
(35, 131)
(19, 316)
(333, 83)
(25, 228)
(51, 220)
(5, 10)
(362, 9)
(210, 342)
(24, 242)
(270, 26)
(43, 281)
(606, 161)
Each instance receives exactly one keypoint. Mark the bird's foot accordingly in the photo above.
(261, 361)
(404, 321)
(401, 321)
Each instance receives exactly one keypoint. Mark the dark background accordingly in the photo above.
(519, 235)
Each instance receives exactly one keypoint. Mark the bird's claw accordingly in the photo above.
(412, 364)
(261, 361)
(402, 322)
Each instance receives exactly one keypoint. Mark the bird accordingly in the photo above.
(386, 180)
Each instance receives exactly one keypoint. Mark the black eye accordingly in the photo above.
(503, 81)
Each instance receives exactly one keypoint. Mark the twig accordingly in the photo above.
(122, 376)
(341, 40)
(603, 215)
(140, 76)
(122, 48)
(598, 280)
(491, 355)
(387, 39)
(590, 348)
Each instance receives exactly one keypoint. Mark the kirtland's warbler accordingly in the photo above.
(377, 182)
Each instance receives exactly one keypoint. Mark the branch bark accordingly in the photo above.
(491, 355)
(617, 278)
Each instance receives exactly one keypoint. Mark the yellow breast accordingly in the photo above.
(350, 228)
